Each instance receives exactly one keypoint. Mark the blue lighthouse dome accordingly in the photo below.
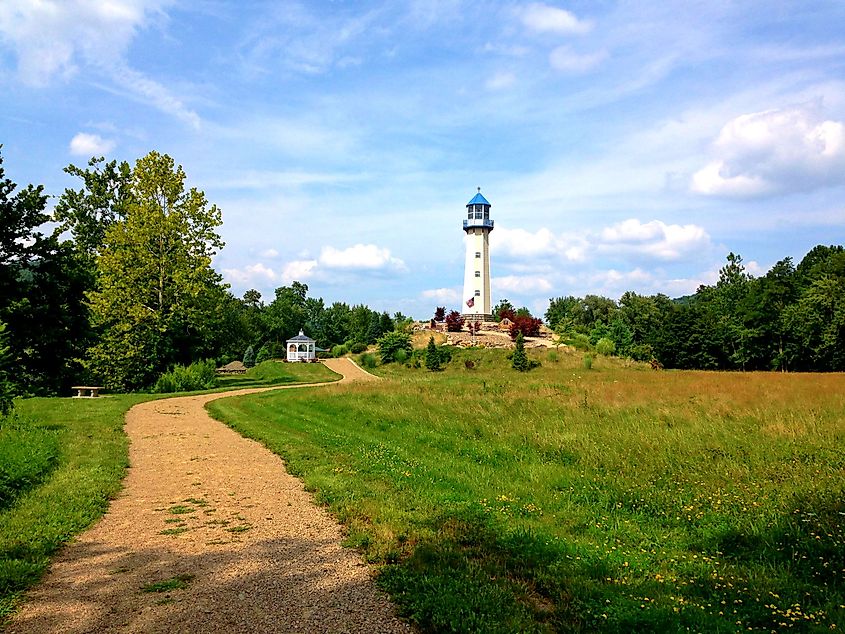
(478, 199)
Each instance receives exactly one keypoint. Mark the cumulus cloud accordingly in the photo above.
(251, 274)
(564, 59)
(543, 18)
(655, 239)
(446, 295)
(84, 144)
(59, 38)
(775, 151)
(298, 270)
(519, 243)
(520, 284)
(359, 256)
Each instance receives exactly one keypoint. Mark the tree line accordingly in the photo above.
(790, 319)
(122, 288)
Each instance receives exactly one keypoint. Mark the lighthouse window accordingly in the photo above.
(469, 213)
(478, 274)
(478, 293)
(487, 214)
(478, 254)
(478, 212)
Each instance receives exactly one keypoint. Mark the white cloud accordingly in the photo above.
(269, 253)
(520, 284)
(359, 256)
(520, 243)
(543, 18)
(84, 144)
(298, 270)
(251, 274)
(563, 58)
(446, 295)
(500, 81)
(62, 37)
(774, 151)
(654, 239)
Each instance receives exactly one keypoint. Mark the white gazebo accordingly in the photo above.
(302, 348)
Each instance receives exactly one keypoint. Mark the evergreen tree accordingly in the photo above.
(264, 354)
(432, 356)
(249, 357)
(7, 392)
(519, 361)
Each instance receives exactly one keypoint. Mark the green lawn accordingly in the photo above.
(62, 460)
(616, 499)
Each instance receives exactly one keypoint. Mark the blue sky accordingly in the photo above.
(623, 145)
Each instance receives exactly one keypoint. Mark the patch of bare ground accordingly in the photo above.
(210, 534)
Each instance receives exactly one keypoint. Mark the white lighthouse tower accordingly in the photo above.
(477, 226)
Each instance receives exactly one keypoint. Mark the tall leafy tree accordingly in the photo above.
(157, 295)
(287, 313)
(104, 199)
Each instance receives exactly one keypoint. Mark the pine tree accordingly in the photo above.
(520, 359)
(6, 389)
(432, 356)
(249, 357)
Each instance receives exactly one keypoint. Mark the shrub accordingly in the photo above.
(440, 313)
(605, 346)
(367, 360)
(526, 325)
(400, 356)
(339, 351)
(263, 354)
(469, 364)
(432, 356)
(587, 362)
(249, 357)
(552, 356)
(197, 376)
(391, 343)
(581, 341)
(454, 321)
(642, 352)
(519, 360)
(358, 347)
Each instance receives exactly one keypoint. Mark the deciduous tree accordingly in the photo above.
(157, 294)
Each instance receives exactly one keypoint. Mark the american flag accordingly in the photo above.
(471, 302)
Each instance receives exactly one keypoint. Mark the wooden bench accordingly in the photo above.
(86, 391)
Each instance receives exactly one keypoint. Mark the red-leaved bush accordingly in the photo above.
(528, 326)
(454, 321)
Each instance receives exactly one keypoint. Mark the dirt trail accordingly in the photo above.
(204, 503)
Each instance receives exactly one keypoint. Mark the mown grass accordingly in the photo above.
(616, 499)
(62, 460)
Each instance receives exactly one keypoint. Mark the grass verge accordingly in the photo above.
(62, 460)
(613, 499)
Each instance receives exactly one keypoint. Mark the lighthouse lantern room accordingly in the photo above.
(477, 226)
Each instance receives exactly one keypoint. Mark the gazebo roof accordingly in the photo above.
(301, 337)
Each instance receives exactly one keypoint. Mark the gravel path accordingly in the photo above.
(200, 502)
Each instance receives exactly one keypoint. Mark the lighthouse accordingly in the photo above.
(477, 225)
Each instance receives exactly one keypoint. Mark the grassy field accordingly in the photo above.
(62, 459)
(615, 499)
